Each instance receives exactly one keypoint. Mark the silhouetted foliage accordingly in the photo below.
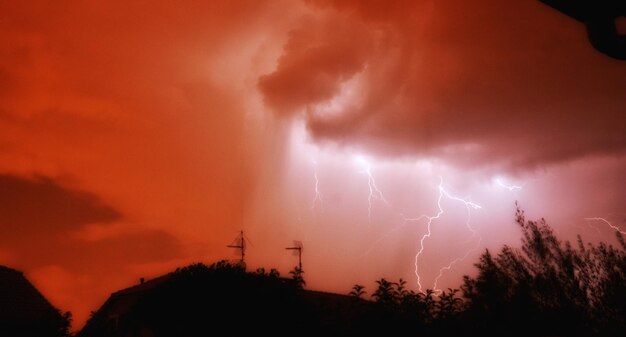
(297, 277)
(545, 287)
(358, 291)
(385, 294)
(396, 309)
(274, 273)
(549, 287)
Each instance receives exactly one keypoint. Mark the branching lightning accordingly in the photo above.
(374, 192)
(608, 223)
(469, 206)
(499, 181)
(442, 193)
(453, 262)
(401, 219)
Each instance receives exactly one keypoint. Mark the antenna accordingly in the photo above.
(240, 239)
(297, 248)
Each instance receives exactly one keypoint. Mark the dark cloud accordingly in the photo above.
(40, 219)
(99, 257)
(512, 83)
(313, 66)
(42, 207)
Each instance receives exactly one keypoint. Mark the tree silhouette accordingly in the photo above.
(549, 284)
(400, 289)
(358, 291)
(296, 276)
(449, 304)
(274, 273)
(384, 293)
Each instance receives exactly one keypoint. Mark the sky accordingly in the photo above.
(391, 138)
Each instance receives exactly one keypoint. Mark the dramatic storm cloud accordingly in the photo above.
(475, 82)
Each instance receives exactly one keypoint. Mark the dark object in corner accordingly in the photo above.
(599, 18)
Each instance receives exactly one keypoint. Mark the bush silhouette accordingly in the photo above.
(546, 287)
(549, 287)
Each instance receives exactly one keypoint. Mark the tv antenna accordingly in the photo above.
(297, 249)
(240, 244)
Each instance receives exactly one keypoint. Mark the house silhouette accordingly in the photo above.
(197, 304)
(24, 311)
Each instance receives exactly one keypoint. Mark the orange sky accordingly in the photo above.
(135, 138)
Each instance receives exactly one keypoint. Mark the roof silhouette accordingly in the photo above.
(194, 300)
(19, 299)
(24, 311)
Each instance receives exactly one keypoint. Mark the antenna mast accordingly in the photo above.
(241, 246)
(297, 246)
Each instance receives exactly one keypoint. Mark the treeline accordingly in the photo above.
(547, 287)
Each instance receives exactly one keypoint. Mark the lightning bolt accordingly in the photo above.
(430, 219)
(374, 192)
(511, 188)
(318, 194)
(608, 223)
(453, 262)
(469, 205)
(499, 181)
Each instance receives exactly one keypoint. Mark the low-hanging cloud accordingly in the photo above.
(41, 219)
(41, 207)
